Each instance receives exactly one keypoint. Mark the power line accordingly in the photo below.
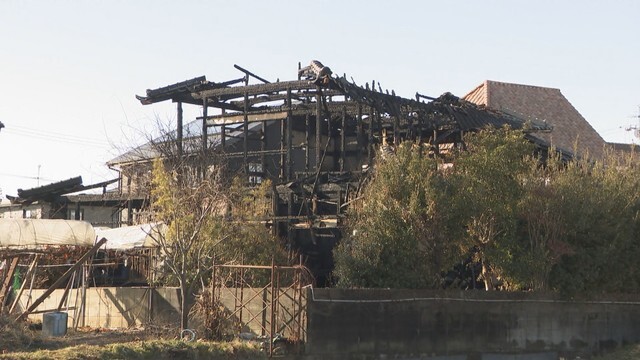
(26, 177)
(69, 139)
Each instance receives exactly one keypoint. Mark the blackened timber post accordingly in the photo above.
(343, 138)
(318, 125)
(283, 138)
(263, 147)
(275, 199)
(205, 108)
(290, 212)
(223, 133)
(370, 144)
(360, 134)
(396, 128)
(179, 131)
(419, 127)
(436, 147)
(379, 125)
(307, 139)
(289, 163)
(245, 131)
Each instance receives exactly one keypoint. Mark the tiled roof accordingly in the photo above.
(570, 129)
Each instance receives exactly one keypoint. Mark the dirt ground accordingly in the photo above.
(98, 336)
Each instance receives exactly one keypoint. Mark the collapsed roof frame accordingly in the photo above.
(337, 125)
(368, 113)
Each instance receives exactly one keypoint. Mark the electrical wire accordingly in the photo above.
(53, 136)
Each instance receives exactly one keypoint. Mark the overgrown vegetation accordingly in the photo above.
(209, 216)
(500, 216)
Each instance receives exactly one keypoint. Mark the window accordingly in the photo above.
(255, 173)
(72, 214)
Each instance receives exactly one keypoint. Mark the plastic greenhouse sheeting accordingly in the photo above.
(32, 233)
(129, 237)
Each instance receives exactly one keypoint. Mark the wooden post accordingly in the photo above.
(360, 135)
(179, 131)
(307, 141)
(205, 110)
(343, 138)
(61, 279)
(289, 137)
(29, 273)
(318, 125)
(370, 143)
(7, 282)
(245, 131)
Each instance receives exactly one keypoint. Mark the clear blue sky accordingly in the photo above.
(69, 70)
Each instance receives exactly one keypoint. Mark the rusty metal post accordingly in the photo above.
(272, 322)
(212, 307)
(241, 277)
(274, 208)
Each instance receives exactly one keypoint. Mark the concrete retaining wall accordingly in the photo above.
(372, 324)
(111, 307)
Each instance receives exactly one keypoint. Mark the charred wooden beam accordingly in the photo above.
(249, 73)
(258, 89)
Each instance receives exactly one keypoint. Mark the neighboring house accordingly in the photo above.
(314, 138)
(59, 201)
(570, 130)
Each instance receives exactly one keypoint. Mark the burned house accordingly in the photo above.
(315, 137)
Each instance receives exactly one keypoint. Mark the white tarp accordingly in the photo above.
(31, 233)
(129, 237)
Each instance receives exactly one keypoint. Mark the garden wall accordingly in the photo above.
(376, 324)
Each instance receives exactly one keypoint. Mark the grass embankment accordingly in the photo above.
(630, 352)
(154, 349)
(18, 341)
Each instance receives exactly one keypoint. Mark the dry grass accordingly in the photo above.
(18, 341)
(154, 349)
(630, 352)
(15, 335)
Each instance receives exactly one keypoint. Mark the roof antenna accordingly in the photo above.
(635, 128)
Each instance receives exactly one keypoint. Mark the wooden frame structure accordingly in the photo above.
(315, 138)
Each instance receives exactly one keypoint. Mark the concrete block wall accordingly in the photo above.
(111, 307)
(371, 323)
